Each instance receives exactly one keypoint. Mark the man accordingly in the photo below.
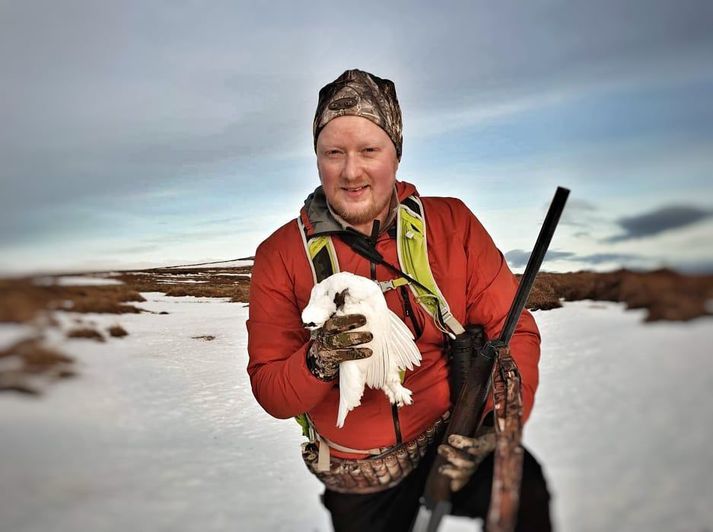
(362, 220)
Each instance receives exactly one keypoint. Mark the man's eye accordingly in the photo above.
(333, 152)
(371, 150)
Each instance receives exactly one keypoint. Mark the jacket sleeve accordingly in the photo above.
(491, 288)
(277, 341)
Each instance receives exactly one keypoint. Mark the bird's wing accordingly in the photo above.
(377, 324)
(393, 347)
(402, 350)
(378, 362)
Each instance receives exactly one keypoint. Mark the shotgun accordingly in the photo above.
(468, 410)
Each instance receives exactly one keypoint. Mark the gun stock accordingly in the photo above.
(471, 403)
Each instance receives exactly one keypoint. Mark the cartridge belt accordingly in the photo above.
(384, 469)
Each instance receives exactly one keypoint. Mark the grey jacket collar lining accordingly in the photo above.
(325, 221)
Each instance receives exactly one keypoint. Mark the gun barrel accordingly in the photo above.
(534, 262)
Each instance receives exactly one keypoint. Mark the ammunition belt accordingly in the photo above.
(375, 473)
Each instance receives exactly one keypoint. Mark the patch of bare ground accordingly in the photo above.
(24, 300)
(21, 300)
(27, 363)
(117, 331)
(664, 294)
(233, 283)
(85, 332)
(206, 337)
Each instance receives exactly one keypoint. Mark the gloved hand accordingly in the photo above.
(334, 342)
(464, 455)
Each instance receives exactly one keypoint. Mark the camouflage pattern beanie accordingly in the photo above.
(359, 93)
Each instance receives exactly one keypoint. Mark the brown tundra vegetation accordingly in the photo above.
(664, 294)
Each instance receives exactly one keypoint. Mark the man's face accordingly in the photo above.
(357, 166)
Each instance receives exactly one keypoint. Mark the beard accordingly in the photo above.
(358, 215)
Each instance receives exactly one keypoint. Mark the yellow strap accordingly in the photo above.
(316, 244)
(412, 248)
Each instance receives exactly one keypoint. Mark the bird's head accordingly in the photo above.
(333, 294)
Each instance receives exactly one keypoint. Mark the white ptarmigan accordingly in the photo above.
(392, 345)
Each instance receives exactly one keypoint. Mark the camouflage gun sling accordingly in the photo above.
(507, 471)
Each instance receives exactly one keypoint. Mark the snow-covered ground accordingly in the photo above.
(623, 419)
(161, 432)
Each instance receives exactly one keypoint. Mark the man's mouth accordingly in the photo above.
(354, 189)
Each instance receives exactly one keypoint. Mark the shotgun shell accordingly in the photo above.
(367, 470)
(356, 473)
(413, 454)
(392, 465)
(422, 444)
(404, 461)
(382, 473)
(430, 433)
(344, 477)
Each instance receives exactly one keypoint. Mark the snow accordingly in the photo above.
(622, 421)
(11, 333)
(161, 432)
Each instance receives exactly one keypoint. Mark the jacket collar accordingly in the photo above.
(320, 219)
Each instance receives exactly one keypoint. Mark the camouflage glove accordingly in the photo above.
(334, 343)
(465, 454)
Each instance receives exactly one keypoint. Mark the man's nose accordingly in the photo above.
(352, 167)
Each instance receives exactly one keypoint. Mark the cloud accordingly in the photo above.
(518, 258)
(126, 98)
(600, 258)
(578, 213)
(658, 221)
(107, 104)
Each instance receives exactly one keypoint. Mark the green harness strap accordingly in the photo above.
(412, 248)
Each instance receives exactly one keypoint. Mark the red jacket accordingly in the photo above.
(472, 275)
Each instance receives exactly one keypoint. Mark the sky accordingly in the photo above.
(139, 134)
